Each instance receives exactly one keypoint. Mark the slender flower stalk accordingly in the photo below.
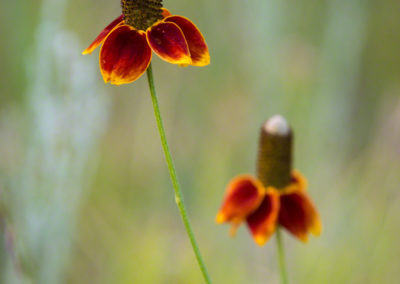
(173, 176)
(127, 44)
(281, 256)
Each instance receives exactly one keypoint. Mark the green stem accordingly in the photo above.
(174, 179)
(281, 256)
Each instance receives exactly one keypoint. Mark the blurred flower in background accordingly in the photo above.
(277, 196)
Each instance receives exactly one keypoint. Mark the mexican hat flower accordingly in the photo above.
(276, 197)
(144, 26)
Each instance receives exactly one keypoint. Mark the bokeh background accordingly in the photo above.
(85, 195)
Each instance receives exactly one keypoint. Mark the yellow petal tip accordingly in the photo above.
(87, 51)
(186, 61)
(260, 240)
(204, 61)
(316, 229)
(220, 218)
(303, 238)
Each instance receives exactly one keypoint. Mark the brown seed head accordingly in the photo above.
(141, 14)
(274, 164)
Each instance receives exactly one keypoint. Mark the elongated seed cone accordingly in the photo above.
(274, 163)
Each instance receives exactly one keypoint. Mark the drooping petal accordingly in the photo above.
(168, 42)
(101, 37)
(124, 56)
(243, 195)
(197, 45)
(297, 212)
(262, 221)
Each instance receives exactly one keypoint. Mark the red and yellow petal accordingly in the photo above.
(262, 222)
(243, 195)
(168, 42)
(297, 212)
(197, 45)
(124, 56)
(101, 37)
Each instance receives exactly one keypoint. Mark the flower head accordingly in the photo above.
(144, 26)
(276, 197)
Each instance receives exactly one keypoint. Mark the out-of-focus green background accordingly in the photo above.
(85, 195)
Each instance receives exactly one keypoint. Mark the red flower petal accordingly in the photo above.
(298, 214)
(100, 38)
(197, 45)
(168, 42)
(124, 56)
(243, 195)
(262, 222)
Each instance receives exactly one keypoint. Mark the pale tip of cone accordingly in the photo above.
(277, 125)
